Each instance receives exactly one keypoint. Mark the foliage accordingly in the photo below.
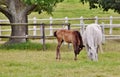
(76, 9)
(43, 5)
(18, 10)
(104, 4)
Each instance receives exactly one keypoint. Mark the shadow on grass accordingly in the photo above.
(28, 46)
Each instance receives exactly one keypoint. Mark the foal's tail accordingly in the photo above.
(55, 34)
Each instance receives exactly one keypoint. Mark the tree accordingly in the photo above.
(104, 4)
(17, 10)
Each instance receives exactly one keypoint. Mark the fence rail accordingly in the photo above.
(115, 37)
(42, 29)
(51, 21)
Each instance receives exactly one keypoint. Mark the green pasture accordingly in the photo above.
(73, 9)
(29, 60)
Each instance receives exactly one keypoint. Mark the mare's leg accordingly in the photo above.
(88, 52)
(100, 46)
(58, 50)
(96, 56)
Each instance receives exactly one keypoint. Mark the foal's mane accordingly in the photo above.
(80, 38)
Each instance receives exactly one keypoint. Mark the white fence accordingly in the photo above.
(78, 22)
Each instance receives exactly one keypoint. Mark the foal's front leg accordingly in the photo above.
(75, 57)
(75, 50)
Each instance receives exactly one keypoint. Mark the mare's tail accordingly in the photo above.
(55, 34)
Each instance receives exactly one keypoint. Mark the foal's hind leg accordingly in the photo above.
(58, 50)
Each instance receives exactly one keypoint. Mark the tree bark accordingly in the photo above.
(18, 30)
(18, 15)
(16, 11)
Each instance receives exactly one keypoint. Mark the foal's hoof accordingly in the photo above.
(57, 58)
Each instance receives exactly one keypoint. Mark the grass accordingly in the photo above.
(23, 46)
(34, 62)
(28, 46)
(43, 64)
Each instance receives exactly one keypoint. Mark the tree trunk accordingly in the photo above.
(18, 30)
(16, 11)
(18, 15)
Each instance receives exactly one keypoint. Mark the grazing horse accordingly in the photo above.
(92, 39)
(69, 36)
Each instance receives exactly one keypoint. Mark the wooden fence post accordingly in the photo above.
(34, 27)
(0, 31)
(51, 29)
(96, 19)
(43, 35)
(103, 33)
(68, 26)
(111, 21)
(82, 25)
(66, 22)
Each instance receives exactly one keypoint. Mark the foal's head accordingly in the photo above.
(81, 47)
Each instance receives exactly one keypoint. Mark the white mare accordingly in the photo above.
(92, 39)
